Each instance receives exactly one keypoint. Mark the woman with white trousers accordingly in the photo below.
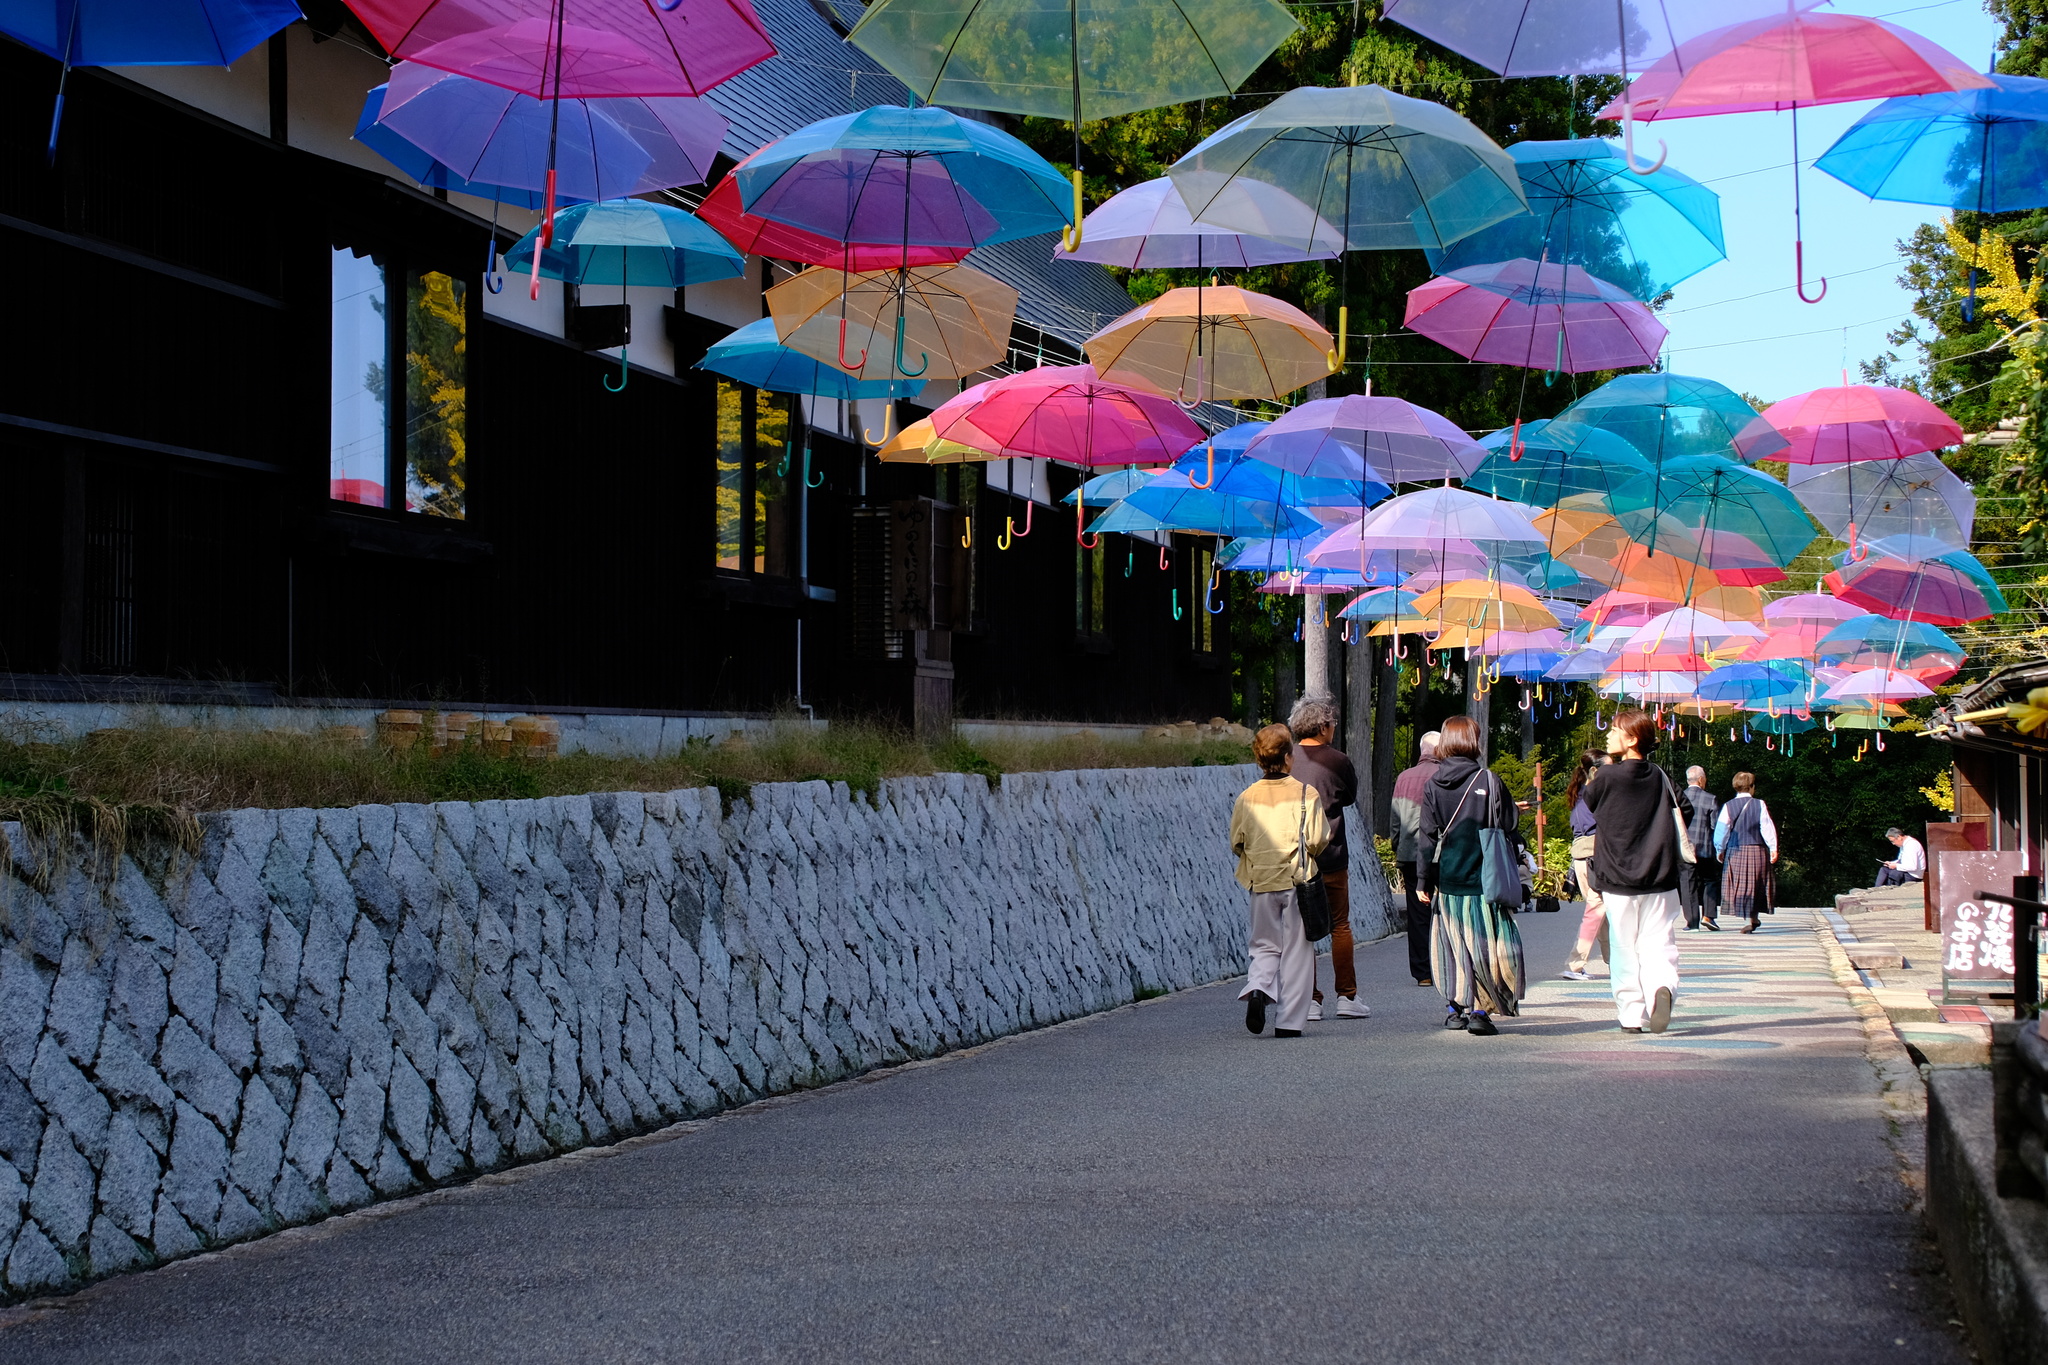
(1635, 868)
(1277, 828)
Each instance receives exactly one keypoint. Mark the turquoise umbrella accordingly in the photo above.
(1544, 462)
(754, 356)
(1689, 505)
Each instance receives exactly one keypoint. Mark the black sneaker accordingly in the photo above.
(1482, 1025)
(1713, 926)
(1455, 1018)
(1255, 1011)
(1286, 1033)
(1660, 1011)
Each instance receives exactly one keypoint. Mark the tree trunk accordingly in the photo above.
(1386, 714)
(1479, 704)
(1315, 650)
(1528, 720)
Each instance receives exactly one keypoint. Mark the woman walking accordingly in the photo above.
(1635, 869)
(1277, 828)
(1747, 841)
(1593, 927)
(1475, 950)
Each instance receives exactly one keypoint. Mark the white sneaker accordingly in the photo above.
(1350, 1007)
(1315, 1010)
(1570, 974)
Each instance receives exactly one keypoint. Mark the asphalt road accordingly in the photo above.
(1158, 1185)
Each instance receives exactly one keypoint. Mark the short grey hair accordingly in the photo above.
(1311, 716)
(1430, 741)
(1895, 833)
(1696, 774)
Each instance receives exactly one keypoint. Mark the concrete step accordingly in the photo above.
(1903, 1005)
(1874, 957)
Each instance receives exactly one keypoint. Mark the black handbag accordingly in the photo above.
(1311, 897)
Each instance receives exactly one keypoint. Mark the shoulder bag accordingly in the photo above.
(1311, 897)
(1686, 852)
(1500, 873)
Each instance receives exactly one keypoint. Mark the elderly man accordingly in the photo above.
(1699, 884)
(1909, 866)
(1409, 789)
(1325, 768)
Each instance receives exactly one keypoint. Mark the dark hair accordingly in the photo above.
(1273, 748)
(1588, 762)
(1639, 728)
(1744, 784)
(1459, 738)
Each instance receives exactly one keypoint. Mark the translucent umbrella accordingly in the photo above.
(1429, 519)
(1753, 686)
(431, 174)
(1950, 590)
(1662, 685)
(1710, 493)
(1871, 632)
(1644, 232)
(956, 318)
(1477, 604)
(1620, 607)
(1147, 227)
(1917, 496)
(1701, 631)
(1380, 604)
(1171, 500)
(1873, 685)
(765, 237)
(1387, 439)
(753, 355)
(919, 444)
(1666, 416)
(1545, 462)
(1860, 422)
(1104, 489)
(1509, 641)
(1210, 343)
(1221, 462)
(1580, 665)
(1539, 316)
(1069, 413)
(1810, 607)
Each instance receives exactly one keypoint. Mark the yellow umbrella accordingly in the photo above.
(919, 444)
(1485, 607)
(1213, 342)
(941, 321)
(1731, 602)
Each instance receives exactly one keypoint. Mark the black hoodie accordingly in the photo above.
(1488, 807)
(1637, 851)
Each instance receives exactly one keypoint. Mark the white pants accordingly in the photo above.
(1643, 946)
(1283, 965)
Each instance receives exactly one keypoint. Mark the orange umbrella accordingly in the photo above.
(1659, 575)
(1214, 342)
(1477, 605)
(919, 444)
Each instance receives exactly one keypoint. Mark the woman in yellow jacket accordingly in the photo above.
(1276, 829)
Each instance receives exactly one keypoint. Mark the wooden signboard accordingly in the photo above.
(1976, 936)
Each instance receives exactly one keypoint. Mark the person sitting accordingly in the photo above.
(1911, 864)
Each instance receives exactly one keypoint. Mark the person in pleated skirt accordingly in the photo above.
(1475, 949)
(1747, 840)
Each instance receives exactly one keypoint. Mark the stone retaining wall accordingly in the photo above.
(330, 1007)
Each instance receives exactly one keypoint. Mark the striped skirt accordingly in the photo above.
(1748, 885)
(1475, 953)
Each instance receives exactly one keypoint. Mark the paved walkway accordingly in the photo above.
(1157, 1185)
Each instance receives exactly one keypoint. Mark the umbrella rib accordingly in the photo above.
(940, 75)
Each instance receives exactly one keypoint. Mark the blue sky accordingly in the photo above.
(1740, 322)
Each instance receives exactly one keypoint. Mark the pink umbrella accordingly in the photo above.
(759, 236)
(1432, 519)
(1860, 422)
(1816, 607)
(1788, 60)
(1388, 439)
(1540, 316)
(1874, 685)
(1508, 641)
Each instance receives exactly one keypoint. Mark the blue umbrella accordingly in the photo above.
(1170, 500)
(1239, 475)
(753, 356)
(1380, 604)
(1667, 416)
(1581, 665)
(1755, 685)
(141, 33)
(921, 176)
(1103, 489)
(1874, 634)
(1544, 462)
(1588, 209)
(1528, 665)
(423, 168)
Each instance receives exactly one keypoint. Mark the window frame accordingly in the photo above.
(752, 542)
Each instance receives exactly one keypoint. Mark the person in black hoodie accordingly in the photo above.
(1474, 948)
(1635, 866)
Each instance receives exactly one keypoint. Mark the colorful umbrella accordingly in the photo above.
(1580, 665)
(956, 318)
(1874, 634)
(1812, 607)
(1949, 590)
(921, 177)
(1429, 519)
(1644, 232)
(1172, 501)
(1662, 685)
(1873, 685)
(1147, 227)
(764, 237)
(1221, 462)
(1479, 605)
(1327, 582)
(1069, 413)
(1665, 416)
(1380, 604)
(1357, 437)
(1753, 686)
(918, 444)
(1915, 496)
(1860, 422)
(1104, 489)
(1537, 316)
(431, 174)
(754, 356)
(1708, 493)
(1211, 343)
(1509, 641)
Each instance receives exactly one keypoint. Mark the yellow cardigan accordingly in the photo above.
(1265, 832)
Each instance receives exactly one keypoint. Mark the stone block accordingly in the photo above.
(129, 1175)
(1904, 1005)
(170, 1234)
(25, 985)
(34, 1264)
(78, 1000)
(124, 1076)
(60, 1198)
(199, 1075)
(21, 1121)
(259, 1143)
(68, 1097)
(1874, 957)
(316, 1124)
(113, 1250)
(198, 1169)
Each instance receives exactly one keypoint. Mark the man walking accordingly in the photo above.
(1325, 768)
(1909, 866)
(1409, 789)
(1699, 883)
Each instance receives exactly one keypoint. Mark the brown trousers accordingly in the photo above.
(1343, 954)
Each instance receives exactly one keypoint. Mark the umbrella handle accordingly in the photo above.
(819, 482)
(1208, 600)
(782, 469)
(906, 373)
(1180, 394)
(667, 8)
(888, 421)
(493, 281)
(1799, 274)
(1628, 143)
(1176, 604)
(844, 363)
(1163, 566)
(625, 377)
(1212, 468)
(1081, 536)
(1336, 358)
(967, 532)
(1297, 630)
(1070, 237)
(1880, 741)
(1130, 560)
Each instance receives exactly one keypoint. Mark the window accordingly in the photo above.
(374, 445)
(960, 485)
(756, 507)
(1201, 621)
(1091, 621)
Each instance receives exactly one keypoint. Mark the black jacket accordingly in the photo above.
(1489, 807)
(1328, 770)
(1637, 851)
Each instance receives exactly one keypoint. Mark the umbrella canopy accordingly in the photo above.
(1391, 172)
(428, 172)
(1619, 606)
(1701, 631)
(1910, 548)
(1567, 38)
(1874, 634)
(1781, 724)
(1580, 665)
(1662, 685)
(1380, 604)
(1477, 605)
(574, 49)
(1981, 150)
(1427, 519)
(1709, 493)
(1916, 496)
(1636, 569)
(1756, 685)
(1071, 59)
(1172, 500)
(754, 356)
(922, 177)
(1386, 439)
(1643, 231)
(1547, 461)
(628, 241)
(1104, 489)
(1950, 590)
(1793, 58)
(1237, 473)
(1812, 607)
(1539, 316)
(1148, 227)
(919, 444)
(1211, 343)
(1067, 412)
(1508, 641)
(1874, 685)
(765, 237)
(1326, 582)
(1860, 422)
(606, 148)
(1666, 416)
(955, 319)
(162, 33)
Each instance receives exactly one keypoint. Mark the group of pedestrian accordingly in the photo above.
(1643, 854)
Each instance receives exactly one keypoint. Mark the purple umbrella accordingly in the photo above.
(1359, 437)
(1148, 227)
(607, 148)
(1433, 519)
(1538, 316)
